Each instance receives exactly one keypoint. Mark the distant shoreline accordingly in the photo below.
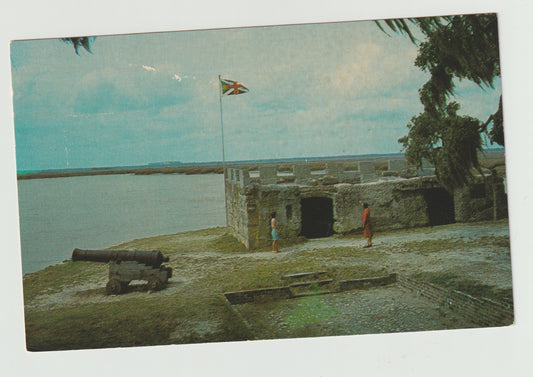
(113, 171)
(218, 167)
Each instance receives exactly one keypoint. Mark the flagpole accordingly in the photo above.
(230, 87)
(221, 121)
(223, 155)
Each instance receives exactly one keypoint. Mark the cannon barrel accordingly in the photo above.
(152, 258)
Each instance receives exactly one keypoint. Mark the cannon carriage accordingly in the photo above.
(128, 265)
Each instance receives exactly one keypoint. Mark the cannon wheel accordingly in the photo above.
(155, 284)
(113, 287)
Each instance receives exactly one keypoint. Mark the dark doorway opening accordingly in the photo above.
(317, 217)
(440, 206)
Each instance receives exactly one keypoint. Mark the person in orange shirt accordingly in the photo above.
(367, 224)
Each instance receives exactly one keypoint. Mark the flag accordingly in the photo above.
(230, 87)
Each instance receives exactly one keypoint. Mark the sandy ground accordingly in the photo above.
(479, 252)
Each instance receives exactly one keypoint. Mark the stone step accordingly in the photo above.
(313, 293)
(310, 287)
(304, 275)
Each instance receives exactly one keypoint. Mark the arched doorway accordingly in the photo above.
(317, 217)
(440, 206)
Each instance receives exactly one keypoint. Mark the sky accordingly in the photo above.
(329, 89)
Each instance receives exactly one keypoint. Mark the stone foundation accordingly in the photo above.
(383, 304)
(481, 311)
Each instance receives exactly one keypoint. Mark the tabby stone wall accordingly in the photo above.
(397, 200)
(481, 311)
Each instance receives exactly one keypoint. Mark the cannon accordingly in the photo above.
(128, 265)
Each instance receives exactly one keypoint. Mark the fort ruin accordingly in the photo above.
(319, 203)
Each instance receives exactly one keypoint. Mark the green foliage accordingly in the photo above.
(80, 42)
(449, 141)
(456, 47)
(465, 47)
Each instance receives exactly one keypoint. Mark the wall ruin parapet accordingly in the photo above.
(398, 200)
(302, 173)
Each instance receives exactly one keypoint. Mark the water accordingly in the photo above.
(60, 214)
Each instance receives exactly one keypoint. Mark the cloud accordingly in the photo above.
(371, 67)
(148, 68)
(360, 68)
(123, 90)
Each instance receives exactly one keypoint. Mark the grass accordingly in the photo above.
(53, 279)
(345, 251)
(496, 241)
(228, 244)
(264, 275)
(97, 325)
(173, 244)
(135, 322)
(427, 247)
